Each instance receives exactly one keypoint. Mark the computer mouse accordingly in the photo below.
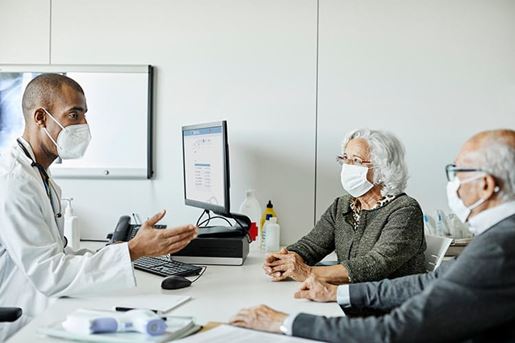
(175, 282)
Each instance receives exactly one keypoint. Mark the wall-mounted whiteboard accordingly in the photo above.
(119, 100)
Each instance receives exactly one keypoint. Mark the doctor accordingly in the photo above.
(35, 265)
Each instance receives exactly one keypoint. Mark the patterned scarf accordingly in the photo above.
(356, 208)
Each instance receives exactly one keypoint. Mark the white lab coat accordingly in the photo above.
(35, 267)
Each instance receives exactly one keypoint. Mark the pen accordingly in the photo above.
(125, 309)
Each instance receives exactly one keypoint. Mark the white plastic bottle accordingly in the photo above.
(441, 224)
(429, 225)
(71, 227)
(250, 207)
(262, 240)
(273, 235)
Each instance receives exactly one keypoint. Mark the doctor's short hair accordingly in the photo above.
(388, 159)
(43, 90)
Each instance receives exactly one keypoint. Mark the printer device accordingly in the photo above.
(220, 248)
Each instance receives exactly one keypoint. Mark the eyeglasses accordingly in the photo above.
(356, 161)
(451, 170)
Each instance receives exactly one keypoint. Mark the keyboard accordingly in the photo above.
(163, 266)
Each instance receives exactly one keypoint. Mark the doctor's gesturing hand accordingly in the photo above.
(152, 242)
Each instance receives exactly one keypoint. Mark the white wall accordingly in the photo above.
(431, 72)
(250, 62)
(24, 31)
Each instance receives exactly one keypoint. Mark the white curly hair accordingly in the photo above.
(387, 157)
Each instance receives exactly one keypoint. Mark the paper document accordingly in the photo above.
(163, 303)
(226, 333)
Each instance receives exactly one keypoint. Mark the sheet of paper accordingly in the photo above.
(226, 333)
(160, 302)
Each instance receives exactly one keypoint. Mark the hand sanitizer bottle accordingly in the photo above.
(441, 224)
(250, 207)
(268, 213)
(71, 227)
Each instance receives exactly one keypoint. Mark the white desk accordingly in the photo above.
(217, 295)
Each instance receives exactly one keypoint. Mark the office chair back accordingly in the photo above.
(436, 248)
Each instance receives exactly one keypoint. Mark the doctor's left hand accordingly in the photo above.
(152, 242)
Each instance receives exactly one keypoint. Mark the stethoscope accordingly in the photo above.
(48, 185)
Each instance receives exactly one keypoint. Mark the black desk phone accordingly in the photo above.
(159, 265)
(125, 231)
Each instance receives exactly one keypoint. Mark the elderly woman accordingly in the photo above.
(375, 229)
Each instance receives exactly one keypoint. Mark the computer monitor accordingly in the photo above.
(206, 166)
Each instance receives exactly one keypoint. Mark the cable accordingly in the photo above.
(237, 221)
(242, 228)
(206, 221)
(200, 274)
(202, 215)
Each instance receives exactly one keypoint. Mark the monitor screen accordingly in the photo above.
(206, 166)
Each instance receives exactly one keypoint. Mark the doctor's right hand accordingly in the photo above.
(152, 242)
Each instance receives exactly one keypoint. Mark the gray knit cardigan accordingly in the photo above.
(387, 243)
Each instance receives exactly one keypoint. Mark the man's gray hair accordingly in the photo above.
(496, 156)
(387, 157)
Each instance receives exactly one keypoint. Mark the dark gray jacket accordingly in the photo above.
(471, 299)
(388, 242)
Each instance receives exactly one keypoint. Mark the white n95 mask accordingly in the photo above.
(72, 141)
(456, 204)
(354, 180)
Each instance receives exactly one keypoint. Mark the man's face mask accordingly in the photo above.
(456, 203)
(73, 140)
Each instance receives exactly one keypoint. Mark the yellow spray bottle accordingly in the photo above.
(267, 214)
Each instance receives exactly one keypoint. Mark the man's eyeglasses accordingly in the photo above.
(451, 170)
(356, 161)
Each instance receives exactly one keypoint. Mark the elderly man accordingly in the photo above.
(469, 298)
(35, 264)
